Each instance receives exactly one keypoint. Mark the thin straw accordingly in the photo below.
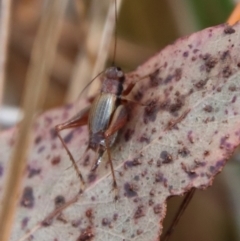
(36, 83)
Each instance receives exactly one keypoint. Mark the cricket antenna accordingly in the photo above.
(115, 35)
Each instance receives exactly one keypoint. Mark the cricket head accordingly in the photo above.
(114, 73)
(113, 81)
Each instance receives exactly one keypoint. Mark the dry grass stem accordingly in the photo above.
(36, 83)
(105, 43)
(84, 70)
(4, 36)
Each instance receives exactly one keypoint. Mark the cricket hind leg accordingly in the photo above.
(118, 121)
(78, 120)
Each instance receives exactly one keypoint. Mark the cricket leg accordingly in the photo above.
(118, 121)
(130, 86)
(78, 120)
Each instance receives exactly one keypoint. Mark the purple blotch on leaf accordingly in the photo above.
(129, 190)
(68, 137)
(1, 170)
(33, 171)
(59, 201)
(27, 199)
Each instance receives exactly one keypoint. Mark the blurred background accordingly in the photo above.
(143, 28)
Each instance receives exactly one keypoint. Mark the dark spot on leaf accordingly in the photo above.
(200, 84)
(232, 87)
(159, 163)
(223, 141)
(164, 105)
(150, 112)
(138, 95)
(150, 162)
(130, 190)
(150, 202)
(166, 157)
(1, 170)
(184, 152)
(206, 153)
(134, 162)
(24, 222)
(220, 163)
(115, 217)
(136, 178)
(208, 108)
(53, 133)
(185, 54)
(218, 167)
(55, 160)
(59, 201)
(128, 134)
(159, 177)
(89, 213)
(234, 99)
(27, 199)
(76, 223)
(206, 56)
(139, 212)
(86, 161)
(47, 222)
(144, 138)
(48, 120)
(178, 74)
(157, 209)
(227, 72)
(219, 89)
(210, 63)
(229, 30)
(176, 106)
(40, 149)
(105, 222)
(168, 79)
(33, 171)
(190, 137)
(37, 139)
(154, 79)
(68, 137)
(225, 54)
(86, 235)
(92, 177)
(191, 172)
(154, 130)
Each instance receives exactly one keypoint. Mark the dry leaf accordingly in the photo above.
(180, 139)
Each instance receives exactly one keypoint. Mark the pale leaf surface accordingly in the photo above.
(181, 138)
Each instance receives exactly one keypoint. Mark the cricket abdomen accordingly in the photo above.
(100, 115)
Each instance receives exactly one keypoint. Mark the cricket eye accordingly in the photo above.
(120, 74)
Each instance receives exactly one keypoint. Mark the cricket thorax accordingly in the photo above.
(113, 81)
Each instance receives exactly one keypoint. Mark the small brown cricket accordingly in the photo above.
(105, 117)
